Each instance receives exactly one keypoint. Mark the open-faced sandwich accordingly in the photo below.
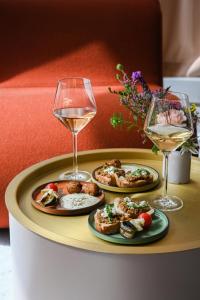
(129, 209)
(124, 216)
(109, 172)
(106, 220)
(113, 174)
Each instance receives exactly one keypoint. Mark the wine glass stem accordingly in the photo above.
(75, 164)
(166, 156)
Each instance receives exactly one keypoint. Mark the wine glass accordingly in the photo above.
(74, 107)
(168, 125)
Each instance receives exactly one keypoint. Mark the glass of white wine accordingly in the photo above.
(168, 125)
(74, 107)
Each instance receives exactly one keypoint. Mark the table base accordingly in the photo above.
(44, 269)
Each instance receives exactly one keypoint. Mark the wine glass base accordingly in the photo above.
(167, 203)
(80, 175)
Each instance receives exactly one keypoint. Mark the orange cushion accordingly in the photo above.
(30, 133)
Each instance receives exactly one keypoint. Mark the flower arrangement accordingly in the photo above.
(173, 117)
(136, 97)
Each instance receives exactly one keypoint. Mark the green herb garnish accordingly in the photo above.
(140, 172)
(108, 209)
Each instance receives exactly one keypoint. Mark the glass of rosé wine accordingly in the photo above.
(168, 125)
(74, 107)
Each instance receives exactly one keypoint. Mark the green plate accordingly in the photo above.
(132, 167)
(157, 230)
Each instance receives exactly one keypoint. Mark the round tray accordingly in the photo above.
(74, 231)
(157, 230)
(59, 210)
(133, 167)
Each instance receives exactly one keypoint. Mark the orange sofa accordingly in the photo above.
(42, 41)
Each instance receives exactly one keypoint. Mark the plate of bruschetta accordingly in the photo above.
(117, 176)
(128, 222)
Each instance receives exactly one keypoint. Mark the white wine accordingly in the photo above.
(75, 119)
(168, 137)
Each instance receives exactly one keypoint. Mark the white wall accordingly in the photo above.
(188, 85)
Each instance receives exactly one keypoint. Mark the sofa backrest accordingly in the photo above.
(42, 41)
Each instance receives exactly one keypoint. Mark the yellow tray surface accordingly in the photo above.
(184, 233)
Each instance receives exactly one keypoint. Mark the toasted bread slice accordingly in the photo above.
(123, 210)
(128, 208)
(132, 181)
(108, 179)
(104, 226)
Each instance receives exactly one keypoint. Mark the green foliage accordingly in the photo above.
(191, 146)
(155, 149)
(120, 67)
(117, 120)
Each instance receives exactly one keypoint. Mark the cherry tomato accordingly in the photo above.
(52, 186)
(147, 219)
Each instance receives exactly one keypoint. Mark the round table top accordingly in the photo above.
(183, 234)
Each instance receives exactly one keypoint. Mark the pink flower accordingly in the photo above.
(171, 116)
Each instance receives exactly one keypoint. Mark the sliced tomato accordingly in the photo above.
(52, 186)
(147, 219)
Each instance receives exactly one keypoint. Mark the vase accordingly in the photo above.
(179, 167)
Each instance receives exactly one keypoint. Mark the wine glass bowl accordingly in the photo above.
(74, 107)
(168, 125)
